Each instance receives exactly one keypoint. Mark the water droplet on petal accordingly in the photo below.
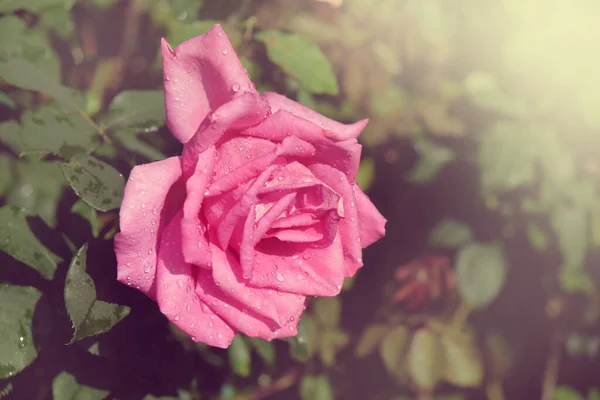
(177, 318)
(224, 51)
(235, 87)
(180, 283)
(280, 277)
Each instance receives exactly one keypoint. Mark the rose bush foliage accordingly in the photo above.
(260, 210)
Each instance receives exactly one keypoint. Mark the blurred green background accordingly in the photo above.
(481, 151)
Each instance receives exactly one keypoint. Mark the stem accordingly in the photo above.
(98, 129)
(552, 367)
(460, 316)
(284, 382)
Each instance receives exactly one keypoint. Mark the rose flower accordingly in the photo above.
(260, 211)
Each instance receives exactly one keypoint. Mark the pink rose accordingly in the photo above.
(260, 210)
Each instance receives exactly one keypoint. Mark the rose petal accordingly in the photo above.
(200, 75)
(143, 216)
(289, 147)
(337, 131)
(370, 220)
(238, 151)
(176, 293)
(349, 225)
(343, 155)
(298, 268)
(227, 275)
(246, 110)
(193, 228)
(254, 231)
(305, 234)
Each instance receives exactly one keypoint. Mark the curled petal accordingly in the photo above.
(335, 130)
(200, 75)
(246, 110)
(193, 227)
(143, 216)
(343, 155)
(371, 222)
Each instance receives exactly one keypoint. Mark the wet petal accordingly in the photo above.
(176, 295)
(337, 131)
(193, 227)
(371, 222)
(246, 110)
(298, 268)
(142, 218)
(200, 75)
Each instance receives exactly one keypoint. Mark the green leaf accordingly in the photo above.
(303, 345)
(316, 388)
(7, 388)
(393, 348)
(82, 209)
(141, 109)
(369, 339)
(537, 237)
(34, 6)
(432, 159)
(28, 76)
(330, 343)
(18, 40)
(484, 92)
(17, 349)
(6, 173)
(9, 135)
(48, 131)
(507, 156)
(132, 141)
(37, 190)
(593, 394)
(463, 366)
(65, 386)
(481, 272)
(7, 101)
(425, 359)
(366, 174)
(17, 240)
(180, 32)
(95, 182)
(301, 59)
(239, 356)
(575, 281)
(266, 350)
(387, 57)
(450, 233)
(570, 225)
(89, 315)
(328, 311)
(566, 393)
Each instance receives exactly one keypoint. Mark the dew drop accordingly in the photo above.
(352, 204)
(207, 192)
(352, 219)
(219, 336)
(143, 205)
(177, 318)
(339, 287)
(180, 283)
(235, 87)
(280, 277)
(224, 51)
(214, 303)
(359, 259)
